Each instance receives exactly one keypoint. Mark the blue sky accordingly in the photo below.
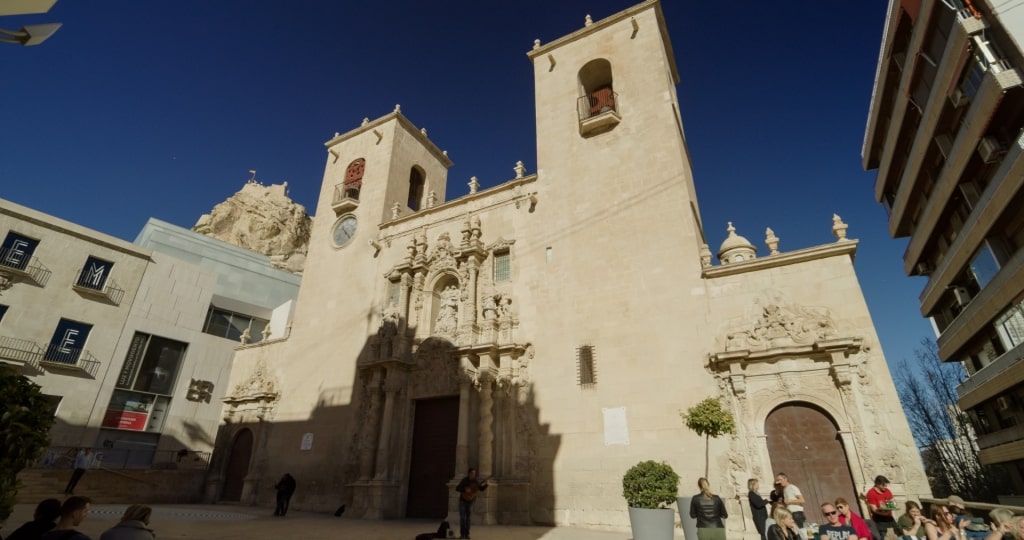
(160, 108)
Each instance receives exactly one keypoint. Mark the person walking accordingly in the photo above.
(709, 511)
(792, 498)
(285, 488)
(133, 525)
(43, 519)
(72, 514)
(758, 507)
(83, 461)
(468, 488)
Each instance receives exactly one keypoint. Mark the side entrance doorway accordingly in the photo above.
(434, 437)
(238, 466)
(804, 443)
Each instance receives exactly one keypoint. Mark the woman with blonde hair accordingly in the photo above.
(133, 525)
(784, 527)
(709, 511)
(1005, 525)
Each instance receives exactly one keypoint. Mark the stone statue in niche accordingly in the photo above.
(443, 247)
(448, 316)
(387, 332)
(504, 306)
(489, 306)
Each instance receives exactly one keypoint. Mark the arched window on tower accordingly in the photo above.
(354, 178)
(416, 182)
(598, 102)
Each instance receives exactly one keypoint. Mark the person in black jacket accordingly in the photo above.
(758, 507)
(285, 488)
(469, 487)
(709, 511)
(44, 519)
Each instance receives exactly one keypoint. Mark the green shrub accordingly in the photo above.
(649, 484)
(25, 421)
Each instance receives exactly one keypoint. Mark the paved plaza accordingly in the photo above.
(225, 522)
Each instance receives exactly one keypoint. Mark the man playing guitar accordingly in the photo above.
(469, 487)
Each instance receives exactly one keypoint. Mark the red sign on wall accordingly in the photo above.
(134, 421)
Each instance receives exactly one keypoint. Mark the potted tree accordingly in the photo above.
(649, 487)
(710, 420)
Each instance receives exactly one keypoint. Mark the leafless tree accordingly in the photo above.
(943, 432)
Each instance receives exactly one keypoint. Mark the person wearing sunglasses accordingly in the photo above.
(941, 525)
(834, 530)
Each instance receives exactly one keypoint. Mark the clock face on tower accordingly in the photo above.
(344, 230)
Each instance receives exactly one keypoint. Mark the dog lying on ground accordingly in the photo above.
(442, 532)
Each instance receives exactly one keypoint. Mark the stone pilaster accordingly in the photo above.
(485, 428)
(371, 427)
(392, 385)
(462, 444)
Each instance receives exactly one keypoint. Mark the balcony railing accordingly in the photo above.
(346, 198)
(63, 457)
(598, 112)
(30, 269)
(58, 357)
(991, 371)
(107, 290)
(1002, 436)
(21, 351)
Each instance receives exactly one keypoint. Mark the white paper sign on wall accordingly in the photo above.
(616, 430)
(307, 442)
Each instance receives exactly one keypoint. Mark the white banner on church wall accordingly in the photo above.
(615, 429)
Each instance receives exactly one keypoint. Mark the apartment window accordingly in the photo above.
(67, 342)
(1010, 326)
(231, 325)
(973, 76)
(3, 311)
(17, 250)
(984, 266)
(586, 374)
(502, 266)
(94, 273)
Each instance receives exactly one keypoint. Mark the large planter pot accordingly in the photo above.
(689, 523)
(650, 524)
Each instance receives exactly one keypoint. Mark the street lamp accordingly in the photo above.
(29, 35)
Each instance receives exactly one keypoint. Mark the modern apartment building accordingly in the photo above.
(945, 135)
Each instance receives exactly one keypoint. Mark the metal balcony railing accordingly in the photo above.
(346, 198)
(107, 289)
(29, 268)
(597, 104)
(22, 351)
(58, 357)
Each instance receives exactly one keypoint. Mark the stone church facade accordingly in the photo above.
(549, 330)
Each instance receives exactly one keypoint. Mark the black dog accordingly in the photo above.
(442, 532)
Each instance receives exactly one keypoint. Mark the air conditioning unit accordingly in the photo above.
(958, 98)
(989, 149)
(923, 268)
(945, 143)
(962, 296)
(1004, 403)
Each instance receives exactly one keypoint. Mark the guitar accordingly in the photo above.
(472, 489)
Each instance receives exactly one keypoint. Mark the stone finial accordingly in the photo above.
(730, 229)
(771, 241)
(474, 185)
(705, 256)
(244, 338)
(444, 153)
(395, 208)
(423, 131)
(267, 333)
(520, 169)
(431, 199)
(588, 21)
(536, 44)
(398, 108)
(839, 228)
(365, 121)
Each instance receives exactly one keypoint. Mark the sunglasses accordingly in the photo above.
(832, 513)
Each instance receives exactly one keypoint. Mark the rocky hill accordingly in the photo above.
(265, 220)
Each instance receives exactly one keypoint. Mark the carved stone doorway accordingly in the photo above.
(434, 437)
(238, 466)
(804, 443)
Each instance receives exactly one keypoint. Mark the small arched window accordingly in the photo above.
(354, 178)
(416, 182)
(595, 79)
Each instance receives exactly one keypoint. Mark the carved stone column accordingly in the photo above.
(370, 428)
(416, 301)
(485, 467)
(474, 271)
(462, 444)
(403, 303)
(392, 385)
